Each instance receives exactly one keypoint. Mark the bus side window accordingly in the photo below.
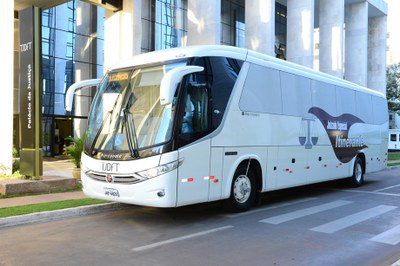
(196, 114)
(196, 122)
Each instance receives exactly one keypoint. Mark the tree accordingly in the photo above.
(393, 87)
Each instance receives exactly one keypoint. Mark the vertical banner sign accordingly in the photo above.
(30, 92)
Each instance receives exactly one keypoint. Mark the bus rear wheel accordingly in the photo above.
(357, 179)
(243, 190)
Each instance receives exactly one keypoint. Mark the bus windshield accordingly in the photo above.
(126, 114)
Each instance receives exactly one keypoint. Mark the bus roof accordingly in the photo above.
(162, 56)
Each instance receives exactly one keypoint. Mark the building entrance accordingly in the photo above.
(55, 131)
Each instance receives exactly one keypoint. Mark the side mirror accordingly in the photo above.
(171, 80)
(69, 96)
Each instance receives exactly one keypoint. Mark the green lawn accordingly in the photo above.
(392, 156)
(50, 206)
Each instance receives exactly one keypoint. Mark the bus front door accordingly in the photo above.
(193, 174)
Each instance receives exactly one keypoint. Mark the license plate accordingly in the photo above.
(111, 192)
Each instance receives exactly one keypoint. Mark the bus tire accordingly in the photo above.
(243, 190)
(357, 179)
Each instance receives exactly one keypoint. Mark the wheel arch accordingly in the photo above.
(254, 165)
(361, 155)
(357, 177)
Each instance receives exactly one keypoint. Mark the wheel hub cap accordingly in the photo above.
(242, 189)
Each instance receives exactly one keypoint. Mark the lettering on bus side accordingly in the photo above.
(110, 167)
(337, 128)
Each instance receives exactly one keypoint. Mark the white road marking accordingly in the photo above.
(274, 206)
(353, 219)
(305, 212)
(391, 237)
(397, 263)
(176, 239)
(386, 188)
(365, 192)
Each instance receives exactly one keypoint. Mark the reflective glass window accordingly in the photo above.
(233, 22)
(164, 24)
(262, 91)
(72, 50)
(296, 94)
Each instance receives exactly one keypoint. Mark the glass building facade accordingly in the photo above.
(233, 26)
(72, 50)
(280, 30)
(233, 23)
(164, 24)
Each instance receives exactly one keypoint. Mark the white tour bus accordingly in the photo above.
(207, 123)
(394, 139)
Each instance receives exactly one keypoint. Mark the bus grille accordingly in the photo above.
(116, 179)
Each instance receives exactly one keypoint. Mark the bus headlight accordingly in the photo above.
(159, 170)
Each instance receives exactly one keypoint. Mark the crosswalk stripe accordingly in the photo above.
(304, 212)
(271, 207)
(353, 219)
(391, 237)
(177, 239)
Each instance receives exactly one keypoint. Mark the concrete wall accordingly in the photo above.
(123, 33)
(204, 22)
(300, 32)
(377, 32)
(260, 26)
(331, 38)
(356, 55)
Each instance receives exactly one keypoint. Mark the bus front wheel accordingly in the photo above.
(243, 190)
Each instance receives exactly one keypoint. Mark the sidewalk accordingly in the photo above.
(21, 201)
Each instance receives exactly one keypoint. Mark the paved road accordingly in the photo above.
(324, 224)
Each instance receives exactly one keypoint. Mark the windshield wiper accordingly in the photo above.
(131, 128)
(98, 132)
(131, 131)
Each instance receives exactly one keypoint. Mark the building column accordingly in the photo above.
(260, 26)
(122, 33)
(204, 22)
(300, 32)
(331, 22)
(377, 30)
(7, 86)
(356, 43)
(393, 55)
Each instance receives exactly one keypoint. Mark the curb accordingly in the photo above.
(60, 214)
